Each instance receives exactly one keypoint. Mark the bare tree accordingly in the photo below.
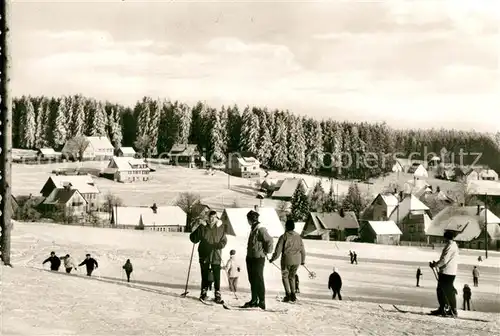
(283, 210)
(464, 194)
(76, 146)
(191, 204)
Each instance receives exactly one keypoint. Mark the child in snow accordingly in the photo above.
(69, 263)
(233, 271)
(467, 296)
(128, 269)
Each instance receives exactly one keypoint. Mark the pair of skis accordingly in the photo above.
(399, 310)
(228, 307)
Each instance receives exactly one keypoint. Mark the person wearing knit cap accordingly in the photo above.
(447, 266)
(290, 248)
(259, 245)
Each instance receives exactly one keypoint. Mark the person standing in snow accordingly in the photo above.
(290, 248)
(351, 257)
(467, 296)
(335, 284)
(260, 244)
(475, 276)
(212, 238)
(448, 266)
(55, 262)
(354, 257)
(233, 271)
(128, 268)
(69, 263)
(419, 274)
(89, 263)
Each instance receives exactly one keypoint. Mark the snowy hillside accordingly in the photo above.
(38, 302)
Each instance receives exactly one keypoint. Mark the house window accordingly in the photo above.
(412, 229)
(245, 169)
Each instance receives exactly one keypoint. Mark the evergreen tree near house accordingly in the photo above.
(29, 125)
(250, 130)
(42, 119)
(300, 204)
(77, 123)
(296, 144)
(265, 147)
(217, 147)
(143, 138)
(317, 197)
(354, 200)
(114, 127)
(314, 145)
(279, 159)
(59, 134)
(155, 109)
(99, 121)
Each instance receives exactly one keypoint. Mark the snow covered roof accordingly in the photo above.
(48, 151)
(408, 204)
(385, 227)
(482, 187)
(299, 227)
(236, 222)
(127, 150)
(83, 183)
(389, 199)
(127, 163)
(248, 161)
(98, 142)
(288, 186)
(184, 150)
(61, 196)
(164, 216)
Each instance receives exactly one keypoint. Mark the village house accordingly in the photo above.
(434, 162)
(186, 155)
(48, 154)
(418, 170)
(88, 148)
(246, 166)
(286, 188)
(417, 187)
(126, 152)
(152, 218)
(83, 183)
(481, 174)
(380, 232)
(68, 200)
(470, 222)
(236, 223)
(381, 207)
(412, 217)
(335, 226)
(127, 169)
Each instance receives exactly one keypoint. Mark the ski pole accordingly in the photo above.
(189, 271)
(312, 275)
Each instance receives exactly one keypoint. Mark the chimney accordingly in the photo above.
(154, 208)
(256, 208)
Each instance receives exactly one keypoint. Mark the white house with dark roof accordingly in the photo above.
(244, 166)
(152, 218)
(331, 225)
(127, 169)
(83, 183)
(380, 232)
(126, 152)
(69, 200)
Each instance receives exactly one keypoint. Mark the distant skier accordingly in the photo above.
(212, 238)
(290, 248)
(55, 262)
(128, 268)
(354, 257)
(447, 265)
(260, 244)
(419, 274)
(351, 256)
(467, 296)
(475, 276)
(69, 263)
(90, 263)
(335, 284)
(233, 271)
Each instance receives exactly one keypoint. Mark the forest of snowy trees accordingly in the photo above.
(281, 140)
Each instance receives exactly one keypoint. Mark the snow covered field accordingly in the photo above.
(37, 302)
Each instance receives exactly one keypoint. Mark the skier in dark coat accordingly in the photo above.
(128, 269)
(89, 263)
(212, 238)
(419, 274)
(335, 284)
(290, 248)
(467, 296)
(54, 260)
(260, 244)
(354, 257)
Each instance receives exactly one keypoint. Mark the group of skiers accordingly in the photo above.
(211, 236)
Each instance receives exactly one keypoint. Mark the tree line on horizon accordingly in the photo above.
(281, 140)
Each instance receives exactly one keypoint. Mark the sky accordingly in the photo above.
(413, 64)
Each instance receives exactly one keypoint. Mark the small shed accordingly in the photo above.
(287, 187)
(418, 170)
(48, 154)
(186, 155)
(126, 152)
(380, 232)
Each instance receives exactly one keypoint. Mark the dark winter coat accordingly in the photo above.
(467, 293)
(260, 243)
(291, 249)
(419, 273)
(55, 262)
(335, 281)
(90, 263)
(212, 240)
(128, 267)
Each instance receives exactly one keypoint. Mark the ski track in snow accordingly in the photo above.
(38, 302)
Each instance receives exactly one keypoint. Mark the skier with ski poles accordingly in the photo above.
(447, 266)
(290, 248)
(211, 237)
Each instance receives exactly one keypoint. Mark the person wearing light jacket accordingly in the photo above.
(233, 271)
(260, 244)
(291, 249)
(447, 266)
(212, 238)
(69, 263)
